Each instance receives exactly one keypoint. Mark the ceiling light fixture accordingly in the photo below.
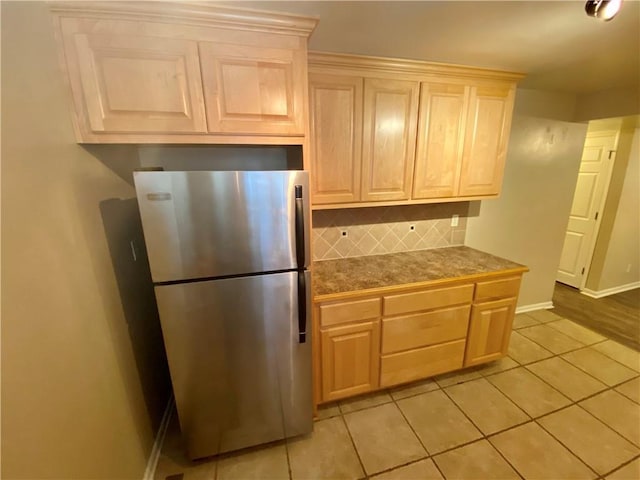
(603, 9)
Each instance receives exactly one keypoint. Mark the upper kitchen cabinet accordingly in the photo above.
(388, 138)
(156, 72)
(336, 137)
(429, 132)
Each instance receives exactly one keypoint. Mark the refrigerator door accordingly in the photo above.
(212, 224)
(241, 371)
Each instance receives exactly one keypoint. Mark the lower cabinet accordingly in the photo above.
(489, 331)
(350, 359)
(378, 341)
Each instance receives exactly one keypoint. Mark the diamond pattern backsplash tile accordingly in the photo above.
(354, 232)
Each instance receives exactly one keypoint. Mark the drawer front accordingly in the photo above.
(427, 299)
(344, 312)
(506, 287)
(404, 333)
(421, 363)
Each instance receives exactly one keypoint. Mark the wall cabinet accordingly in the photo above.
(178, 73)
(430, 133)
(377, 341)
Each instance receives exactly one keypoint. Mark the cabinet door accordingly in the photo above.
(350, 360)
(136, 84)
(440, 140)
(486, 137)
(489, 331)
(250, 89)
(388, 140)
(336, 137)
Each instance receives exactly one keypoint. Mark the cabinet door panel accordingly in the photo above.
(486, 137)
(388, 140)
(139, 84)
(350, 360)
(440, 140)
(252, 89)
(489, 331)
(336, 137)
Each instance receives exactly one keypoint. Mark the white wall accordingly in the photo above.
(527, 223)
(608, 104)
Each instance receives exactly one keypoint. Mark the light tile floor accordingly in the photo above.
(565, 404)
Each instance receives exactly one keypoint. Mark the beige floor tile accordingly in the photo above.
(568, 379)
(577, 332)
(264, 463)
(600, 366)
(620, 353)
(618, 412)
(527, 391)
(489, 409)
(630, 471)
(505, 363)
(536, 454)
(631, 389)
(414, 388)
(327, 453)
(524, 351)
(438, 421)
(328, 410)
(544, 316)
(475, 461)
(550, 338)
(591, 440)
(523, 320)
(423, 470)
(364, 401)
(458, 377)
(383, 438)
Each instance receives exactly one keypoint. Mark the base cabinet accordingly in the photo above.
(350, 359)
(370, 342)
(489, 331)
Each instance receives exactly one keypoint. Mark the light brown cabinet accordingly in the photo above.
(336, 123)
(430, 133)
(388, 138)
(178, 73)
(376, 341)
(350, 359)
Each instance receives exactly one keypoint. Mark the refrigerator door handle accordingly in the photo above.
(299, 220)
(302, 307)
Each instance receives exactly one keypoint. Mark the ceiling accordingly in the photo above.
(553, 42)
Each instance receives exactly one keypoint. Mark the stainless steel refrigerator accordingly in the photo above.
(229, 257)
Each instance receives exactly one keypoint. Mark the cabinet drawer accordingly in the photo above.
(506, 287)
(344, 312)
(423, 362)
(405, 333)
(427, 299)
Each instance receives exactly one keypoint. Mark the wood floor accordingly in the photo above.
(616, 316)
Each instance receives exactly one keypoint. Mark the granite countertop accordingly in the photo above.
(335, 277)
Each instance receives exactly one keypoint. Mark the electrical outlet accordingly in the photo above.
(454, 220)
(628, 268)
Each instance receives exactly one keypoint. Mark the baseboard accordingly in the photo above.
(152, 463)
(534, 306)
(609, 291)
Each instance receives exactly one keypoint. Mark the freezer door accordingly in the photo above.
(240, 369)
(211, 224)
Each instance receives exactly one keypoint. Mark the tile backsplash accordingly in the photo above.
(354, 232)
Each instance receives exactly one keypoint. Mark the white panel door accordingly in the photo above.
(588, 200)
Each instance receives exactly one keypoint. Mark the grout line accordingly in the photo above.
(353, 443)
(622, 465)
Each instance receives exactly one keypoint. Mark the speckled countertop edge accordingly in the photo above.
(335, 278)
